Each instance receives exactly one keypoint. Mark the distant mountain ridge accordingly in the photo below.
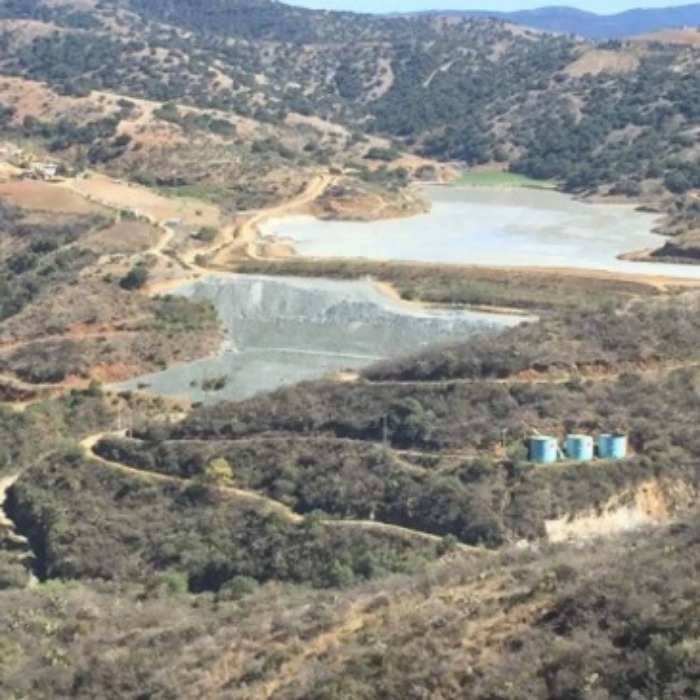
(569, 20)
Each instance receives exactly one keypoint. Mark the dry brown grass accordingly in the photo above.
(124, 237)
(525, 288)
(687, 37)
(597, 61)
(46, 197)
(117, 194)
(35, 99)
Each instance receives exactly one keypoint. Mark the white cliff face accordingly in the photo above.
(9, 536)
(280, 331)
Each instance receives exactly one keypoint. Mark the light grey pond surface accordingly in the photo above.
(281, 331)
(494, 227)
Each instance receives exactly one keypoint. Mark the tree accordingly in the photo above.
(136, 278)
(206, 234)
(238, 587)
(218, 473)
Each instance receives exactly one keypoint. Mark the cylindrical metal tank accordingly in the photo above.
(579, 448)
(612, 446)
(543, 449)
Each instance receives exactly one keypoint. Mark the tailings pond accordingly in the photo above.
(493, 227)
(282, 331)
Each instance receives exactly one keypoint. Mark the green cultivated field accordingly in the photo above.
(501, 179)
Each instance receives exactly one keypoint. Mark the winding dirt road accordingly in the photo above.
(250, 229)
(89, 444)
(240, 240)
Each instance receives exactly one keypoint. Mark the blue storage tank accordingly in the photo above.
(544, 449)
(612, 446)
(579, 448)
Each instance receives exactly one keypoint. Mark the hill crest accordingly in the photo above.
(569, 20)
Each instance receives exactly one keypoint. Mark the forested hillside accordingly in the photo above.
(617, 115)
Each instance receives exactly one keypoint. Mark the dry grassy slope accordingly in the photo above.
(525, 624)
(685, 37)
(280, 68)
(167, 150)
(461, 632)
(274, 69)
(103, 332)
(160, 148)
(595, 61)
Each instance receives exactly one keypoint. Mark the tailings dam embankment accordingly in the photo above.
(280, 331)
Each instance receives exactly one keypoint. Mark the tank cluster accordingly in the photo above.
(577, 448)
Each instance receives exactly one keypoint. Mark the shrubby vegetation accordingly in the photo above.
(193, 122)
(59, 321)
(607, 618)
(456, 285)
(180, 313)
(477, 500)
(85, 521)
(38, 256)
(98, 135)
(27, 437)
(611, 621)
(135, 279)
(594, 338)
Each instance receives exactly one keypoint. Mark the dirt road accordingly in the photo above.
(89, 444)
(249, 230)
(241, 240)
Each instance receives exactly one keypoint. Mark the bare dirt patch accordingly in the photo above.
(158, 208)
(115, 372)
(599, 61)
(276, 250)
(385, 81)
(124, 237)
(651, 503)
(45, 197)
